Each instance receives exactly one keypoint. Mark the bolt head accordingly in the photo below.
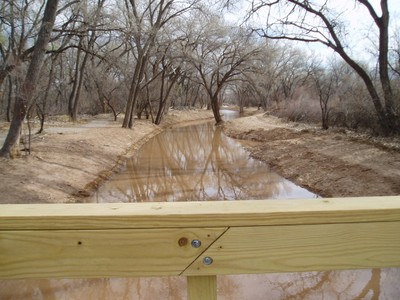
(196, 243)
(207, 260)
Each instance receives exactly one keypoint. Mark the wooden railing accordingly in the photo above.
(198, 239)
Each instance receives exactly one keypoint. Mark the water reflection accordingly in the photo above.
(344, 285)
(196, 162)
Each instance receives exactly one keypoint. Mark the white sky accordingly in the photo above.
(359, 25)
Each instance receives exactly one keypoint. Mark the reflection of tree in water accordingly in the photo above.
(360, 284)
(193, 163)
(347, 284)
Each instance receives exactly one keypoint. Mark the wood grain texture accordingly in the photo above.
(198, 214)
(146, 239)
(271, 249)
(100, 253)
(202, 287)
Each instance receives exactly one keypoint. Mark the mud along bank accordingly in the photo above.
(332, 163)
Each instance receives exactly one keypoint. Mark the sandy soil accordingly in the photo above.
(69, 161)
(332, 163)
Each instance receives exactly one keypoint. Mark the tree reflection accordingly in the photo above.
(194, 163)
(349, 284)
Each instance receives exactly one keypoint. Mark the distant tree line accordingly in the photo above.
(140, 58)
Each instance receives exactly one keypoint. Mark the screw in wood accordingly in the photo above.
(207, 260)
(196, 243)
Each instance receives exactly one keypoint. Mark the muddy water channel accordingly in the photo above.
(200, 163)
(196, 162)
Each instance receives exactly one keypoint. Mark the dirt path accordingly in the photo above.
(68, 161)
(329, 163)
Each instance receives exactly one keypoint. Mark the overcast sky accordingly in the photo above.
(359, 24)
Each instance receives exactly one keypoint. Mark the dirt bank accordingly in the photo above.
(332, 163)
(69, 160)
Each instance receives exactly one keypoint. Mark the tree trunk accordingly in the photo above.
(164, 98)
(215, 109)
(5, 72)
(392, 120)
(75, 83)
(162, 102)
(74, 115)
(134, 91)
(81, 73)
(42, 110)
(324, 113)
(149, 103)
(28, 87)
(9, 100)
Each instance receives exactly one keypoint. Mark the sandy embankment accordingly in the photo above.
(68, 161)
(332, 163)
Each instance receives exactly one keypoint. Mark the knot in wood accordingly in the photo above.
(183, 242)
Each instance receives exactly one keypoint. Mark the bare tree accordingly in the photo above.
(145, 21)
(19, 22)
(169, 76)
(325, 86)
(25, 94)
(312, 22)
(161, 75)
(218, 53)
(87, 38)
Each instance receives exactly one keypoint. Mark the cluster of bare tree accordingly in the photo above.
(320, 22)
(143, 56)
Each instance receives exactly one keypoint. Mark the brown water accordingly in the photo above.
(196, 162)
(366, 284)
(200, 163)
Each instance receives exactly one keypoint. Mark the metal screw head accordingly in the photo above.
(196, 243)
(207, 260)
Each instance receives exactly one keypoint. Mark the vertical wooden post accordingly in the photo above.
(202, 287)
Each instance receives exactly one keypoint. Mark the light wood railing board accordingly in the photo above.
(198, 214)
(299, 248)
(100, 253)
(202, 287)
(42, 240)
